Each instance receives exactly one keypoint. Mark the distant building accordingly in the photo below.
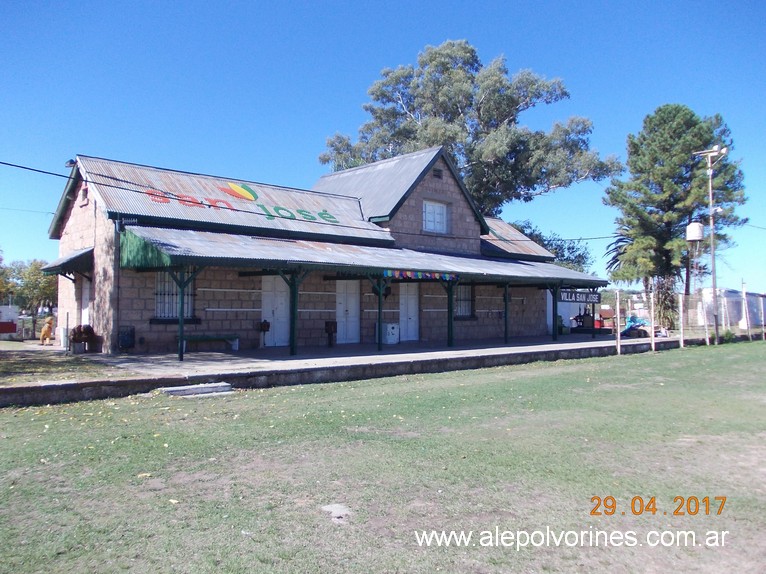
(391, 251)
(9, 316)
(735, 311)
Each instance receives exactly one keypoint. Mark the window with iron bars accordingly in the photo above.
(464, 301)
(166, 298)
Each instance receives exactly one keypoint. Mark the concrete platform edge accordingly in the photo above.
(37, 394)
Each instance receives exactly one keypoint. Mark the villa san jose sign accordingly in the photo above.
(570, 296)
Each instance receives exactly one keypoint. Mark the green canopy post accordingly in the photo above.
(182, 282)
(379, 285)
(555, 296)
(293, 281)
(506, 302)
(449, 287)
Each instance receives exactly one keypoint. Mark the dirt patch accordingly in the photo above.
(736, 461)
(400, 433)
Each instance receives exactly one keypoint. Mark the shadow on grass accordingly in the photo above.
(32, 366)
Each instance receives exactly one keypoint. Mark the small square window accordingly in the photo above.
(434, 216)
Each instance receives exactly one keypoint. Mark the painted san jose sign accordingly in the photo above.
(571, 296)
(241, 192)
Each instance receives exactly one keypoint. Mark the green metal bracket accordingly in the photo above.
(182, 281)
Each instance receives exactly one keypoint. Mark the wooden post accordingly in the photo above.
(450, 314)
(619, 325)
(763, 323)
(681, 317)
(555, 311)
(651, 326)
(746, 311)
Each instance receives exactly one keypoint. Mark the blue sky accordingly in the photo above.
(252, 90)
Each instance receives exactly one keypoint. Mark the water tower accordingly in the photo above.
(695, 232)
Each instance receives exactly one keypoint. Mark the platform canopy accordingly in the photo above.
(156, 248)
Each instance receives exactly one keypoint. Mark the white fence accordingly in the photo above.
(739, 314)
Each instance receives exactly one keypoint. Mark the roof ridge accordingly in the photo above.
(212, 176)
(383, 161)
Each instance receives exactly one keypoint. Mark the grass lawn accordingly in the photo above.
(27, 362)
(237, 484)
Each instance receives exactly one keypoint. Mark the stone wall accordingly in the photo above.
(526, 314)
(87, 226)
(226, 303)
(463, 228)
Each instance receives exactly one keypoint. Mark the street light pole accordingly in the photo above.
(709, 154)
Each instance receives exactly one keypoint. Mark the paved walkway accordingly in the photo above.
(279, 359)
(262, 368)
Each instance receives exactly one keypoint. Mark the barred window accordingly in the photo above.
(166, 298)
(464, 301)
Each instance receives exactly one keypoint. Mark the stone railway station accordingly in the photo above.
(160, 261)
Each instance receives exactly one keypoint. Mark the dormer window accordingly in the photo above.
(437, 172)
(434, 216)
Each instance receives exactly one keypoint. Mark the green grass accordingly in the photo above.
(24, 363)
(159, 484)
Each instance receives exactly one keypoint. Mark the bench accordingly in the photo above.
(232, 340)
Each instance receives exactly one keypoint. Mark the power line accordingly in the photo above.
(24, 167)
(26, 210)
(172, 195)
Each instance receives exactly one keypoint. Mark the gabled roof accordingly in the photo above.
(159, 197)
(504, 240)
(384, 186)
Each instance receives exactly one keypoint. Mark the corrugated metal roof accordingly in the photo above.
(80, 261)
(504, 240)
(380, 185)
(156, 196)
(184, 247)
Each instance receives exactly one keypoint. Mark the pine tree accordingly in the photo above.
(666, 191)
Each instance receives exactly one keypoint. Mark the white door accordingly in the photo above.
(408, 312)
(275, 308)
(347, 311)
(85, 302)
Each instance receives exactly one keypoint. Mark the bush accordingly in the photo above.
(82, 334)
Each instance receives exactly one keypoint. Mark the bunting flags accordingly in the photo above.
(398, 274)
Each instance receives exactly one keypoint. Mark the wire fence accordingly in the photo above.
(689, 317)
